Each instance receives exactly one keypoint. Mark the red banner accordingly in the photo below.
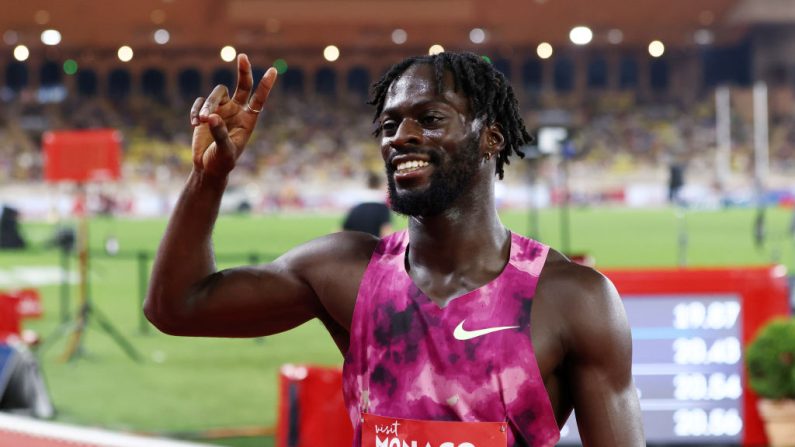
(82, 155)
(378, 431)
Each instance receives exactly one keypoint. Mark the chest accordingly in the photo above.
(472, 360)
(474, 353)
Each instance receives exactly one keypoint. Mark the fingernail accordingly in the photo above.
(194, 121)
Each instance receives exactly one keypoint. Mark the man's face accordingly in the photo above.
(429, 143)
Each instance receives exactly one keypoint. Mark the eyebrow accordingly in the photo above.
(417, 105)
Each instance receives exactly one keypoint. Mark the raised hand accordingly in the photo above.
(222, 124)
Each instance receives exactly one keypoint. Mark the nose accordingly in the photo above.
(408, 133)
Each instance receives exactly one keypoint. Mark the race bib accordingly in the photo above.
(378, 431)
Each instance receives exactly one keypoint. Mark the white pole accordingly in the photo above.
(723, 137)
(761, 141)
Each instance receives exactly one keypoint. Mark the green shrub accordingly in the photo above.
(771, 360)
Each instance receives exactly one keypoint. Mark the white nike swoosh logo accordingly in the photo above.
(462, 334)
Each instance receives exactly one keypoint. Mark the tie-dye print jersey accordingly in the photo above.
(405, 361)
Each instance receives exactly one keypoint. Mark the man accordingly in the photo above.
(370, 216)
(442, 328)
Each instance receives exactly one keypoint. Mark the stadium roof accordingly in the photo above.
(368, 24)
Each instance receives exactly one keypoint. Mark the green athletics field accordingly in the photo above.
(188, 385)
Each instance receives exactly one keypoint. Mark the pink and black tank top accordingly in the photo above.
(470, 361)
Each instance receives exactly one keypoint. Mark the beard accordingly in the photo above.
(452, 176)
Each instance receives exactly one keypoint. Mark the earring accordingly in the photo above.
(487, 156)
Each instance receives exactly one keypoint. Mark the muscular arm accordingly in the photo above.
(599, 364)
(187, 296)
(582, 342)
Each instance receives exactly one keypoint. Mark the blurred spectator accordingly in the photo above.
(371, 216)
(317, 142)
(10, 237)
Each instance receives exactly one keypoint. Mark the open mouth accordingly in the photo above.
(408, 166)
(411, 170)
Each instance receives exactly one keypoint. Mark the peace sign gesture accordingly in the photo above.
(223, 125)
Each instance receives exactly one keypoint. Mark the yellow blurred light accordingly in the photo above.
(581, 35)
(435, 49)
(331, 53)
(656, 48)
(50, 37)
(544, 50)
(125, 53)
(228, 53)
(21, 53)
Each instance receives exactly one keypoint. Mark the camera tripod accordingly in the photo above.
(87, 312)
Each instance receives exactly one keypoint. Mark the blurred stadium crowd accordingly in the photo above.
(634, 95)
(307, 146)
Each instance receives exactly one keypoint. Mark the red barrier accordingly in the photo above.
(28, 303)
(311, 408)
(9, 318)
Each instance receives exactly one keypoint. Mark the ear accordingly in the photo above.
(492, 140)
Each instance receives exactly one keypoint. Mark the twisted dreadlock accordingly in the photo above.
(488, 92)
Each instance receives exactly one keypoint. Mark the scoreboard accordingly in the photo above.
(689, 327)
(687, 366)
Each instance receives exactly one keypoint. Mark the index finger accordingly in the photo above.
(218, 97)
(263, 89)
(245, 80)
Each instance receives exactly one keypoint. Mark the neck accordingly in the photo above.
(460, 239)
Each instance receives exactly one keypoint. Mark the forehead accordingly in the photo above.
(417, 85)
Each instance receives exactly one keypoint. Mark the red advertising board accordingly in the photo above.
(82, 155)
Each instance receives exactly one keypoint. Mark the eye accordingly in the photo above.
(389, 126)
(430, 120)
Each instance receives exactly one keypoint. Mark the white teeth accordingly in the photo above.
(411, 165)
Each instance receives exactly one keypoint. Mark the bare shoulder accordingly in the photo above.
(332, 266)
(583, 302)
(341, 249)
(574, 284)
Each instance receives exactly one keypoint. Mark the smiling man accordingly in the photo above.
(455, 332)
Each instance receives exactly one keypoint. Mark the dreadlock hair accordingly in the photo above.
(488, 91)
